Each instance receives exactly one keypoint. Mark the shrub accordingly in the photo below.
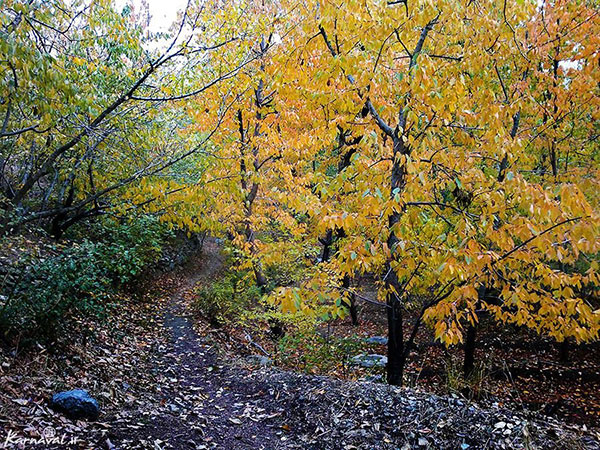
(46, 290)
(129, 247)
(41, 293)
(306, 349)
(216, 301)
(227, 299)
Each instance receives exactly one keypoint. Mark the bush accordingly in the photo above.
(41, 293)
(307, 350)
(128, 248)
(216, 302)
(227, 299)
(46, 290)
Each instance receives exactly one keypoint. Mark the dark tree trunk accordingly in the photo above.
(351, 302)
(275, 325)
(563, 351)
(276, 328)
(396, 351)
(56, 230)
(199, 241)
(261, 280)
(353, 311)
(327, 241)
(396, 354)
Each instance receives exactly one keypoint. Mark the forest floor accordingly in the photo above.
(163, 383)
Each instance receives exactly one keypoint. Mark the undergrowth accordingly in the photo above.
(47, 283)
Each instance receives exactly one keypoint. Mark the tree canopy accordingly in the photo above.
(447, 149)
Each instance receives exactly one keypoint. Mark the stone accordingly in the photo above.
(372, 360)
(259, 360)
(76, 404)
(378, 340)
(374, 378)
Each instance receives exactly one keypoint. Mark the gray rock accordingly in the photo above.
(368, 361)
(259, 360)
(378, 340)
(374, 378)
(76, 404)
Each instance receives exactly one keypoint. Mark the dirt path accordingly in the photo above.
(204, 404)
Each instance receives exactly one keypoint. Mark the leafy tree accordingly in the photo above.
(442, 198)
(84, 103)
(449, 149)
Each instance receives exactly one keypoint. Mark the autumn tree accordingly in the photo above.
(416, 141)
(434, 201)
(84, 103)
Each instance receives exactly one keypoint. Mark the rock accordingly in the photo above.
(368, 361)
(259, 360)
(76, 404)
(374, 378)
(378, 340)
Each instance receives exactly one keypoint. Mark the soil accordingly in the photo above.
(518, 368)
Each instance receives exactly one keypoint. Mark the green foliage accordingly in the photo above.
(46, 290)
(129, 247)
(227, 299)
(308, 350)
(216, 301)
(41, 294)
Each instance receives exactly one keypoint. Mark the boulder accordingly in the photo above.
(374, 378)
(369, 361)
(378, 340)
(259, 360)
(76, 404)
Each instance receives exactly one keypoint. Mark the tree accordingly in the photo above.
(84, 104)
(435, 202)
(420, 136)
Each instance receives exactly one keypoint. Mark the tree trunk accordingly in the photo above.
(563, 351)
(327, 241)
(353, 311)
(351, 303)
(275, 325)
(396, 354)
(56, 230)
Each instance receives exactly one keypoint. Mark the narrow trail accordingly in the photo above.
(205, 404)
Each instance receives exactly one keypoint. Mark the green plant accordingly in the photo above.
(472, 387)
(41, 293)
(215, 301)
(226, 300)
(44, 292)
(130, 246)
(306, 349)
